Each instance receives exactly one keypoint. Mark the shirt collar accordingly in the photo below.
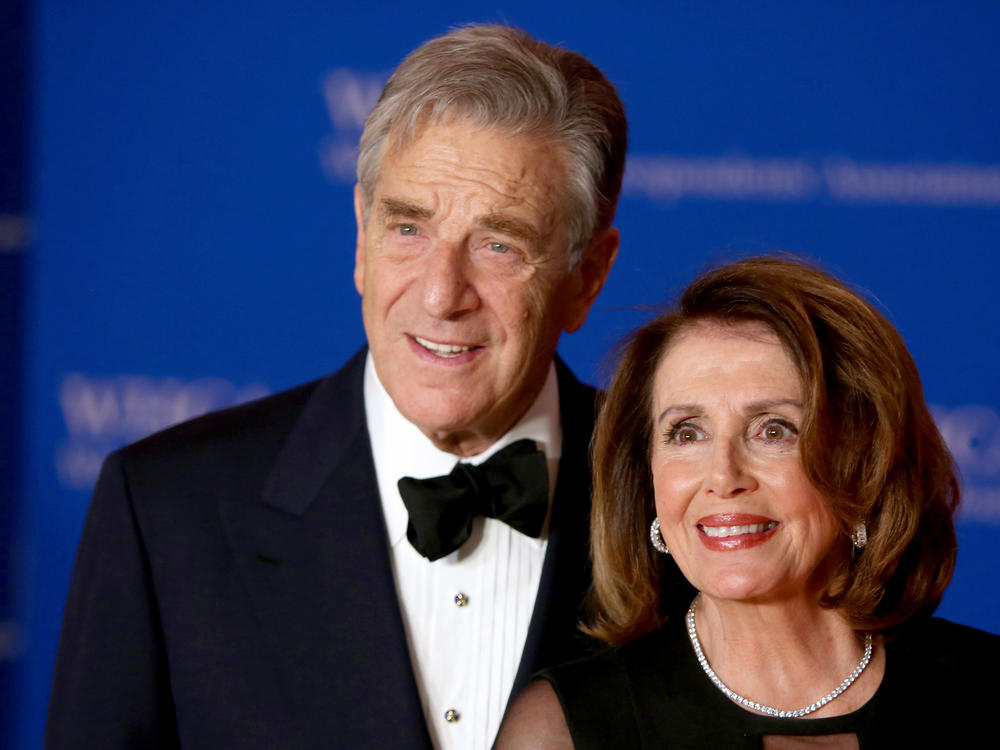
(400, 449)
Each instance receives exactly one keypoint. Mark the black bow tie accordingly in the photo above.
(512, 486)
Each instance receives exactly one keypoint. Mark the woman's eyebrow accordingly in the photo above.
(689, 409)
(770, 403)
(754, 407)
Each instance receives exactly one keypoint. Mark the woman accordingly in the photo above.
(770, 435)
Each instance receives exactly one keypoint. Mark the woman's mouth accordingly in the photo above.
(732, 531)
(723, 532)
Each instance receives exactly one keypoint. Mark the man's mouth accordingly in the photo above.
(443, 350)
(723, 532)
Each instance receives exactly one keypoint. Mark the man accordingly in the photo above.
(252, 578)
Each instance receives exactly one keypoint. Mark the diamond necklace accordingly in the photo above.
(768, 710)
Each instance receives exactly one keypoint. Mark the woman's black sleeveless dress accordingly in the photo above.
(939, 690)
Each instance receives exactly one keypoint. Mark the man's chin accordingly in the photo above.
(447, 420)
(443, 420)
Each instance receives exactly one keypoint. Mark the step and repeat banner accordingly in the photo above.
(194, 234)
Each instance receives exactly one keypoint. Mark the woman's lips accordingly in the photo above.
(732, 531)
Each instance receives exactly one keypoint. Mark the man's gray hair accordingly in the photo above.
(501, 77)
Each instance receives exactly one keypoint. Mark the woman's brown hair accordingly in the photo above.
(868, 443)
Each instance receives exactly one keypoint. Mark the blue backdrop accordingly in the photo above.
(191, 183)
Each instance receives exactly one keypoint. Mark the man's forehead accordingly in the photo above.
(518, 190)
(457, 133)
(401, 136)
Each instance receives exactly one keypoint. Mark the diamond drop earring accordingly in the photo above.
(656, 539)
(860, 535)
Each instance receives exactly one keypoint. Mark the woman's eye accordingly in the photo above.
(682, 434)
(499, 247)
(407, 230)
(775, 431)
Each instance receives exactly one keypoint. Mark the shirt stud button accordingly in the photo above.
(461, 599)
(451, 716)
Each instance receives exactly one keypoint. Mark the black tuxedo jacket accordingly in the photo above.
(232, 587)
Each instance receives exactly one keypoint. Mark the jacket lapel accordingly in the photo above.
(553, 636)
(314, 557)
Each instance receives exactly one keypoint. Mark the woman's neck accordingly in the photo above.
(786, 654)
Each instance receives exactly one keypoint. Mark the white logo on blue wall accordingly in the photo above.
(972, 432)
(349, 96)
(104, 413)
(666, 178)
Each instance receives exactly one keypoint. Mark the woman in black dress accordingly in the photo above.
(770, 437)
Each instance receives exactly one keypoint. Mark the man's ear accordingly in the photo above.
(359, 250)
(595, 265)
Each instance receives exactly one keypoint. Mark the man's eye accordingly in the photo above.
(407, 230)
(499, 247)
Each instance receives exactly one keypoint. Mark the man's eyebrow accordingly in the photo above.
(521, 230)
(394, 207)
(496, 222)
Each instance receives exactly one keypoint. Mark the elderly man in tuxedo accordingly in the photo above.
(379, 558)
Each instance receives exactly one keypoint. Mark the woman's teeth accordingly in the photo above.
(726, 531)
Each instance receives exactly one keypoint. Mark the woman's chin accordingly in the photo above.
(743, 589)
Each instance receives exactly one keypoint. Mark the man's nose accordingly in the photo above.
(729, 473)
(448, 288)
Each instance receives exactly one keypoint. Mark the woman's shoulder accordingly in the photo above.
(614, 665)
(945, 642)
(932, 693)
(939, 666)
(569, 706)
(609, 696)
(535, 721)
(597, 693)
(590, 681)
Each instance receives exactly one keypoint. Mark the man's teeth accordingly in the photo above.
(442, 350)
(725, 531)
